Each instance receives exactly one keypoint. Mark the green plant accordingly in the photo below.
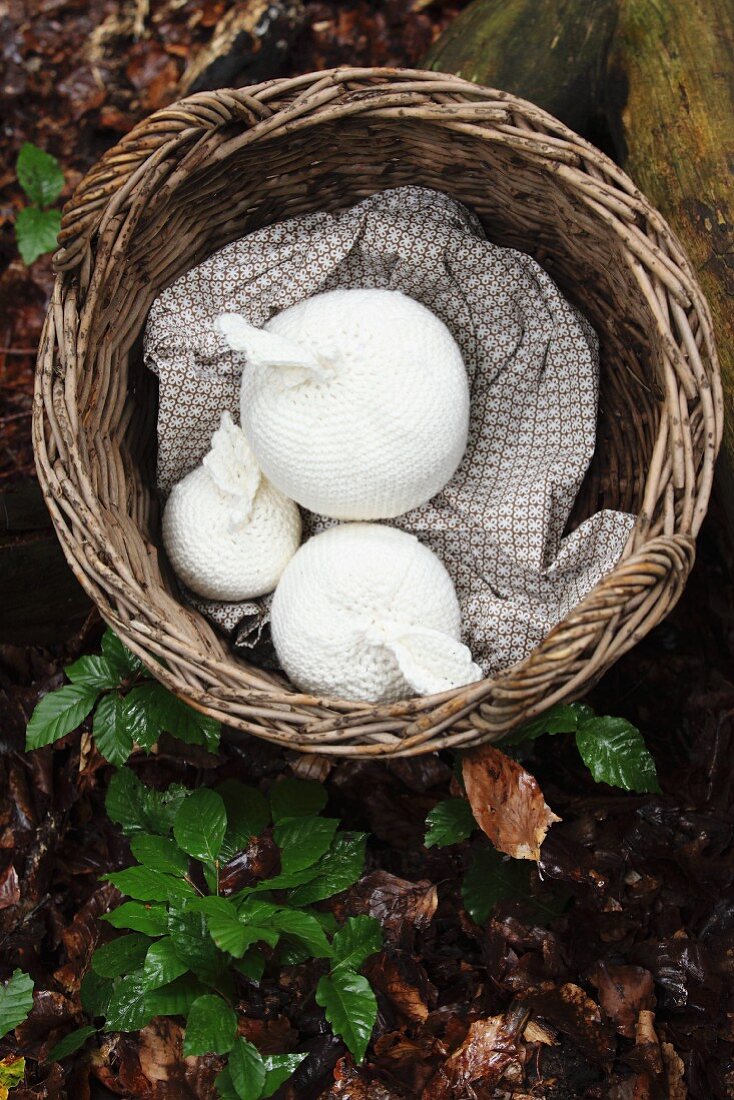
(37, 226)
(16, 1001)
(130, 708)
(614, 752)
(186, 945)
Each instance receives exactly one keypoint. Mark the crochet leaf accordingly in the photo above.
(431, 661)
(232, 466)
(294, 362)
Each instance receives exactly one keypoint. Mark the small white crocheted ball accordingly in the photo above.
(364, 611)
(228, 533)
(355, 402)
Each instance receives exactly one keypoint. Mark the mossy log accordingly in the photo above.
(551, 52)
(670, 105)
(661, 77)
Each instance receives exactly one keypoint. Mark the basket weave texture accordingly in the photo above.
(217, 165)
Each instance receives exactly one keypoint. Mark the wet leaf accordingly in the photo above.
(58, 713)
(507, 802)
(71, 1043)
(121, 955)
(200, 825)
(16, 1001)
(615, 752)
(449, 822)
(211, 1026)
(350, 1006)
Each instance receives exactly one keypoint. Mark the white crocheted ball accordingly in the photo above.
(228, 533)
(364, 611)
(355, 402)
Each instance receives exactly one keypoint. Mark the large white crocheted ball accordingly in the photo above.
(228, 533)
(364, 611)
(355, 402)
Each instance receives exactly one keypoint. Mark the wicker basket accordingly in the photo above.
(205, 171)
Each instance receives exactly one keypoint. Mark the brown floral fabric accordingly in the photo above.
(533, 367)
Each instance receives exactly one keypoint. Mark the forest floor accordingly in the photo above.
(620, 945)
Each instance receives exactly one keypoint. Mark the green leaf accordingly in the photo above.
(247, 1070)
(127, 1010)
(235, 934)
(297, 798)
(224, 1086)
(162, 964)
(58, 713)
(125, 662)
(120, 956)
(248, 815)
(95, 993)
(110, 730)
(140, 809)
(304, 928)
(211, 1027)
(36, 232)
(125, 802)
(449, 822)
(150, 919)
(350, 1006)
(561, 718)
(359, 938)
(194, 946)
(252, 964)
(200, 825)
(145, 884)
(154, 710)
(303, 840)
(278, 1068)
(161, 808)
(94, 671)
(160, 853)
(12, 1072)
(337, 870)
(615, 753)
(70, 1043)
(490, 878)
(39, 174)
(176, 998)
(16, 1001)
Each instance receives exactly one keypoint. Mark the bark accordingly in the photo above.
(670, 102)
(551, 53)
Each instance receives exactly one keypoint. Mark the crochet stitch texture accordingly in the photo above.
(355, 402)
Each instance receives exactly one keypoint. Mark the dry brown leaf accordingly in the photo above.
(507, 802)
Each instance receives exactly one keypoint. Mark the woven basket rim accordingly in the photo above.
(622, 607)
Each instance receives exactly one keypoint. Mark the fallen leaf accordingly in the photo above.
(492, 1046)
(403, 981)
(573, 1012)
(398, 904)
(507, 802)
(350, 1085)
(623, 992)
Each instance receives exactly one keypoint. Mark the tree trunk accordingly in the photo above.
(670, 101)
(551, 52)
(660, 73)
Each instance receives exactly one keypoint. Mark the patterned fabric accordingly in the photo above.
(533, 367)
